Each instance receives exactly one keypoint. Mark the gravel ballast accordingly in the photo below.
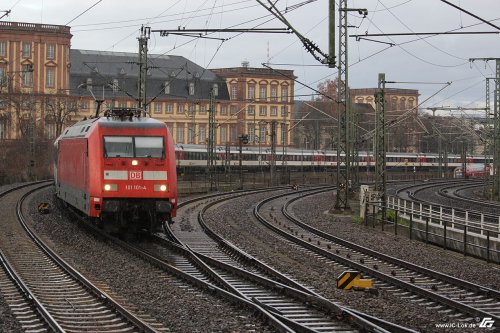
(311, 271)
(178, 307)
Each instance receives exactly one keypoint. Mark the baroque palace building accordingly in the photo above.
(46, 86)
(262, 101)
(401, 111)
(34, 74)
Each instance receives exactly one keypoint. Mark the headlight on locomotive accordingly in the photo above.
(160, 187)
(110, 187)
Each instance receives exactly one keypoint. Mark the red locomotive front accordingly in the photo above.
(119, 168)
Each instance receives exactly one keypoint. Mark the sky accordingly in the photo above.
(437, 66)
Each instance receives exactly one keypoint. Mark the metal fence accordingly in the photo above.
(470, 233)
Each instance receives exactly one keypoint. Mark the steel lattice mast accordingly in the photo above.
(143, 67)
(496, 127)
(343, 154)
(380, 140)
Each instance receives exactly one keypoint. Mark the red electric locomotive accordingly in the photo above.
(118, 169)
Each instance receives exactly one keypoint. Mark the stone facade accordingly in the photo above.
(259, 97)
(34, 71)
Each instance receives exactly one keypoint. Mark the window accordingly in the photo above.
(170, 108)
(180, 108)
(166, 86)
(234, 110)
(274, 93)
(123, 104)
(180, 134)
(49, 80)
(51, 51)
(284, 112)
(402, 103)
(394, 103)
(158, 108)
(284, 94)
(3, 128)
(26, 50)
(191, 131)
(251, 91)
(84, 105)
(27, 74)
(203, 109)
(223, 134)
(191, 110)
(89, 84)
(118, 146)
(251, 110)
(139, 146)
(191, 89)
(149, 146)
(262, 92)
(234, 91)
(263, 111)
(251, 133)
(3, 49)
(262, 131)
(274, 111)
(115, 85)
(283, 134)
(3, 76)
(215, 89)
(202, 136)
(223, 110)
(233, 134)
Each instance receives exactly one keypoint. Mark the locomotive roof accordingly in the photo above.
(82, 128)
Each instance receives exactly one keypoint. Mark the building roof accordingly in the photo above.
(255, 72)
(102, 67)
(388, 91)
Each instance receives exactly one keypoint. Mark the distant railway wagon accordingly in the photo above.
(195, 156)
(473, 171)
(118, 169)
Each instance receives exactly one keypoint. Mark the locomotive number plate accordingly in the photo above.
(135, 175)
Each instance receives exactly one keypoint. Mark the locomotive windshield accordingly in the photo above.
(138, 146)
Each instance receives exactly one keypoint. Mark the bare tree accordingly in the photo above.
(59, 111)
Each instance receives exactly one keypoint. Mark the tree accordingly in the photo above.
(59, 110)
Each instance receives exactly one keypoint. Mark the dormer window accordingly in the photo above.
(115, 85)
(89, 83)
(191, 88)
(215, 89)
(166, 85)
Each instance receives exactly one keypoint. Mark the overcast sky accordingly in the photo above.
(425, 63)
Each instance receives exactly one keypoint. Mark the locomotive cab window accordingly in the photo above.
(149, 146)
(118, 146)
(127, 146)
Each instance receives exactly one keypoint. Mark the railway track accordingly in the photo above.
(454, 297)
(48, 293)
(204, 264)
(254, 280)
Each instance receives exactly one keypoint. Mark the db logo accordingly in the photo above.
(135, 174)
